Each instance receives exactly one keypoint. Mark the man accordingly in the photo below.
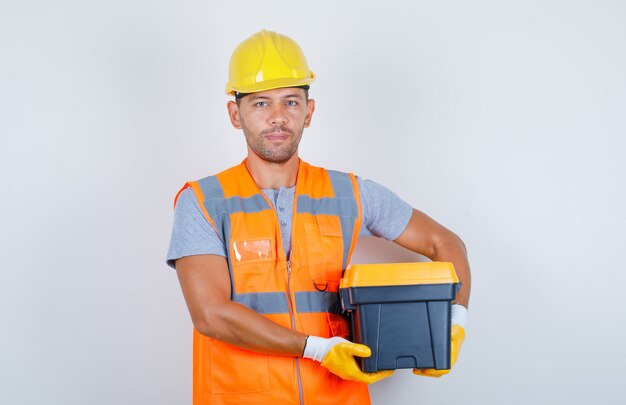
(259, 249)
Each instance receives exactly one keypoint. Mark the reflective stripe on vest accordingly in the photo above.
(276, 302)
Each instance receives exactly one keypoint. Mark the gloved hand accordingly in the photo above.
(457, 336)
(337, 355)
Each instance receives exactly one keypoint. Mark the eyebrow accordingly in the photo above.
(292, 95)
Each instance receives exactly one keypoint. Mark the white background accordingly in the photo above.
(503, 120)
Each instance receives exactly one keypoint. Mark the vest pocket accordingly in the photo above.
(252, 250)
(325, 251)
(251, 259)
(328, 225)
(235, 370)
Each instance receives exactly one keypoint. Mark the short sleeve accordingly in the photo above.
(192, 234)
(384, 213)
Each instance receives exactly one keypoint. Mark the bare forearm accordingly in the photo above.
(453, 250)
(240, 326)
(425, 236)
(205, 282)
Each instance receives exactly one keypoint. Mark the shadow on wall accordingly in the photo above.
(378, 250)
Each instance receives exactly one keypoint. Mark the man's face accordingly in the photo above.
(273, 122)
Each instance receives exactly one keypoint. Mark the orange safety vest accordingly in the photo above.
(300, 293)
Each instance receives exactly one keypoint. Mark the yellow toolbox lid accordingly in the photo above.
(387, 274)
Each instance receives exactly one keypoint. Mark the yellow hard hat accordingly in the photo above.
(267, 60)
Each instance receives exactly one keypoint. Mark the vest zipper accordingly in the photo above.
(291, 309)
(293, 326)
(288, 261)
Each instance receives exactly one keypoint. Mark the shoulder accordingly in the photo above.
(312, 168)
(376, 193)
(337, 178)
(211, 187)
(186, 198)
(371, 186)
(214, 177)
(222, 173)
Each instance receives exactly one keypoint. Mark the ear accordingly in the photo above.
(310, 107)
(233, 114)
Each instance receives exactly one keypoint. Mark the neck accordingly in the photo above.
(268, 175)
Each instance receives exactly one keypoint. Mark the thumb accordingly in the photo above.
(356, 349)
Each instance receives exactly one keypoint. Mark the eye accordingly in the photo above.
(260, 104)
(292, 103)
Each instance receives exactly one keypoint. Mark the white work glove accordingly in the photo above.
(459, 315)
(337, 355)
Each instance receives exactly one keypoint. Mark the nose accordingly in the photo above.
(278, 114)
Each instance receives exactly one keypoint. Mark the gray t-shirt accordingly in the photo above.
(384, 215)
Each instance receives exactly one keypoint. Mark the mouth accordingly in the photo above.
(276, 136)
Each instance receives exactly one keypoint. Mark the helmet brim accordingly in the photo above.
(270, 85)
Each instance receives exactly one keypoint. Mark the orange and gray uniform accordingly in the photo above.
(299, 293)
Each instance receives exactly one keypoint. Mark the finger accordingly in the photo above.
(428, 375)
(356, 349)
(430, 372)
(375, 377)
